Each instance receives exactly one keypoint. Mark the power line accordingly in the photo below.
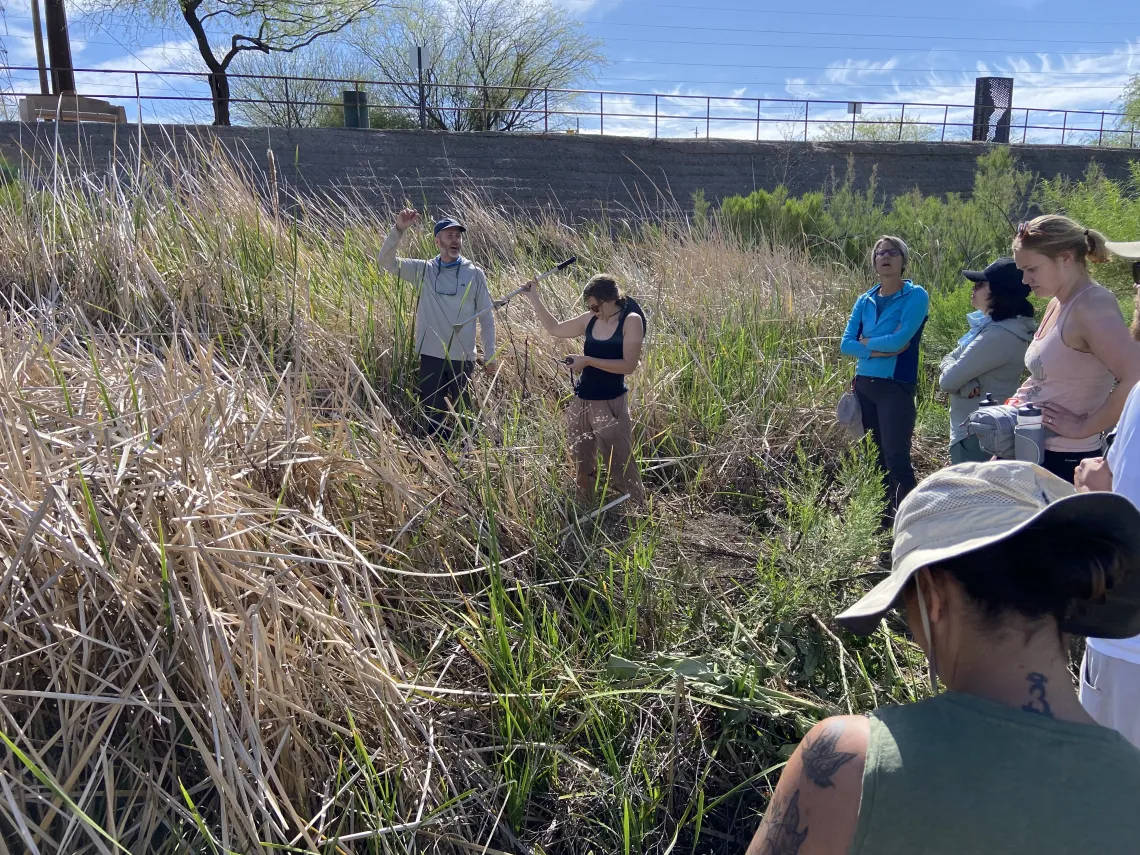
(815, 46)
(687, 27)
(894, 36)
(821, 67)
(753, 11)
(139, 60)
(874, 70)
(964, 86)
(192, 50)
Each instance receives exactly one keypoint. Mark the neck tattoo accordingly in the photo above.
(1039, 704)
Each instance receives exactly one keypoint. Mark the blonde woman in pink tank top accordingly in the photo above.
(1083, 361)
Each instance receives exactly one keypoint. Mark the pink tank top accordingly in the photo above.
(1077, 381)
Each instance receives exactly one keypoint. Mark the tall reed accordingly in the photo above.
(246, 608)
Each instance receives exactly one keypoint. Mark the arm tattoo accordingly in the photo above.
(782, 836)
(1039, 704)
(821, 760)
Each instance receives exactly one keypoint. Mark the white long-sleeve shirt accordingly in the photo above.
(1124, 463)
(448, 296)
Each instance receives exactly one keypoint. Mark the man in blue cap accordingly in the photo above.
(452, 291)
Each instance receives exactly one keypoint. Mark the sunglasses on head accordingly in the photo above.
(893, 252)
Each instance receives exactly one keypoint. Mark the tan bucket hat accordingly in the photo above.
(966, 507)
(1129, 251)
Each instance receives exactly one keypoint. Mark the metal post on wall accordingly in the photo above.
(59, 48)
(902, 113)
(1064, 127)
(602, 114)
(757, 120)
(288, 105)
(546, 111)
(655, 102)
(806, 106)
(708, 117)
(1025, 127)
(945, 119)
(1101, 141)
(423, 94)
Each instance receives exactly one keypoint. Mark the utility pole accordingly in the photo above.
(38, 35)
(53, 106)
(59, 48)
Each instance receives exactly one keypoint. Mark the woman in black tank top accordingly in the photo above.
(598, 417)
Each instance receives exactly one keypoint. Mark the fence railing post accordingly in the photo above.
(1064, 127)
(806, 108)
(757, 120)
(1025, 127)
(546, 111)
(902, 113)
(655, 100)
(602, 113)
(945, 119)
(138, 98)
(1101, 141)
(708, 117)
(288, 106)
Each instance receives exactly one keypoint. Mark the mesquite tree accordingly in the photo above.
(489, 64)
(224, 29)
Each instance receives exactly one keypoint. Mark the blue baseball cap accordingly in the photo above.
(449, 223)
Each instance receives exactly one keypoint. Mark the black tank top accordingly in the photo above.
(596, 384)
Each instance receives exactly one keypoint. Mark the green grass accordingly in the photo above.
(327, 635)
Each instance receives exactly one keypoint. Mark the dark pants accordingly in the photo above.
(1064, 464)
(442, 381)
(888, 413)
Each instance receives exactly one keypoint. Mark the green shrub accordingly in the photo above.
(779, 219)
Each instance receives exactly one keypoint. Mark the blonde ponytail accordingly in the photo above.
(1052, 234)
(1097, 249)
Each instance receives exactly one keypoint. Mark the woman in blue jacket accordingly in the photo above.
(883, 334)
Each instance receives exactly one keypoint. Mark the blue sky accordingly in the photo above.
(1061, 55)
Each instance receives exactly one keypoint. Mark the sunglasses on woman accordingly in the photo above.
(893, 252)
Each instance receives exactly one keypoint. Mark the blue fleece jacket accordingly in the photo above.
(900, 326)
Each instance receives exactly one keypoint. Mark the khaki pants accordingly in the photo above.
(1110, 693)
(604, 426)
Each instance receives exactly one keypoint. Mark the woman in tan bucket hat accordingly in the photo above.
(993, 563)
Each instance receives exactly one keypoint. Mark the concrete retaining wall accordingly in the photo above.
(581, 175)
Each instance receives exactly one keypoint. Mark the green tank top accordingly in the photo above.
(957, 774)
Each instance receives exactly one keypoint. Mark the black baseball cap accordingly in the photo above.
(1003, 273)
(449, 223)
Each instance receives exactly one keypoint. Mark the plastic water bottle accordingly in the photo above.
(1029, 435)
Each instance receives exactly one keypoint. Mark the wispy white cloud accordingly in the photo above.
(1046, 85)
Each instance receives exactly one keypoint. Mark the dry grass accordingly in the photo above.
(243, 607)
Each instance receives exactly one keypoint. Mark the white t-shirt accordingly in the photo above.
(1124, 461)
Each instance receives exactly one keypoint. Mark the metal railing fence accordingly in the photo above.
(546, 110)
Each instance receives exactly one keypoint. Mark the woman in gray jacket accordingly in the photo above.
(990, 358)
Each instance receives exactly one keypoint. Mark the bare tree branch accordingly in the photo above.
(264, 26)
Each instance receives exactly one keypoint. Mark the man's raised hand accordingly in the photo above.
(406, 218)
